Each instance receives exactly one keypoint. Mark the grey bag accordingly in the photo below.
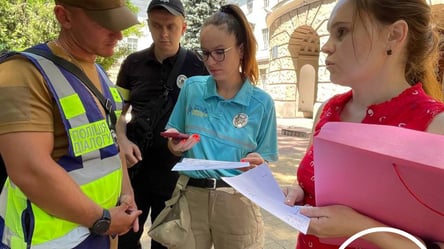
(172, 227)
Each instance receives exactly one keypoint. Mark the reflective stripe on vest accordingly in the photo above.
(93, 163)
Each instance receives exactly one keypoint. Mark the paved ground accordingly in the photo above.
(292, 141)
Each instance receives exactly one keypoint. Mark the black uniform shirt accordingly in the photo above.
(145, 77)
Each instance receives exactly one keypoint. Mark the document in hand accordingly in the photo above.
(393, 174)
(203, 164)
(260, 187)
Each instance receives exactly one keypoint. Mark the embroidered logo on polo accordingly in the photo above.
(180, 80)
(240, 120)
(198, 111)
(90, 137)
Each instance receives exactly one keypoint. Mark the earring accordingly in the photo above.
(389, 52)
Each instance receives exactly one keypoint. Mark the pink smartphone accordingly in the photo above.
(174, 135)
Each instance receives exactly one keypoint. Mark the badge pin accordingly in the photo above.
(240, 120)
(180, 80)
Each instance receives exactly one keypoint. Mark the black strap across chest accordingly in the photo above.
(72, 68)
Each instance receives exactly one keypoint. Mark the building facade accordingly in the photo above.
(296, 76)
(144, 40)
(290, 34)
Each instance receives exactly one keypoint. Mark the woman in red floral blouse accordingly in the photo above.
(385, 51)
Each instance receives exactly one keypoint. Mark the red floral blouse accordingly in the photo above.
(412, 109)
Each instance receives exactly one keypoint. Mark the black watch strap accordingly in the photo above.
(101, 226)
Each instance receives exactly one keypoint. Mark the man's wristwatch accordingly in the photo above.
(102, 225)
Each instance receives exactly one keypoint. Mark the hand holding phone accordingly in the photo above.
(174, 135)
(178, 142)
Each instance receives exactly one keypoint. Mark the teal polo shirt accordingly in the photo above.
(229, 129)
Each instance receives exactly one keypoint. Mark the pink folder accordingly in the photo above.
(395, 175)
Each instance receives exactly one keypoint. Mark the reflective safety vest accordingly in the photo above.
(92, 161)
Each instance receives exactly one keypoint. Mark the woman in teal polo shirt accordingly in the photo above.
(232, 120)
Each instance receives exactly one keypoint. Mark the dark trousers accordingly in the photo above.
(147, 201)
(3, 174)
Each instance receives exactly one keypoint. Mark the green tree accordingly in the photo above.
(24, 23)
(196, 12)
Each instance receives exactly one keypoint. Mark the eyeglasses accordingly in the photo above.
(217, 54)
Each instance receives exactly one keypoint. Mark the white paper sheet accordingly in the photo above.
(201, 164)
(259, 186)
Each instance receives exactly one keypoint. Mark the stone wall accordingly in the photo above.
(293, 26)
(297, 25)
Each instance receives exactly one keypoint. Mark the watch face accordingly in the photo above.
(101, 226)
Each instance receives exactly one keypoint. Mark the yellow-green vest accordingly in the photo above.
(92, 162)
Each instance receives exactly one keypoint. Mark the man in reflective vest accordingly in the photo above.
(66, 187)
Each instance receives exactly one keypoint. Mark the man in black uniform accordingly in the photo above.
(150, 83)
